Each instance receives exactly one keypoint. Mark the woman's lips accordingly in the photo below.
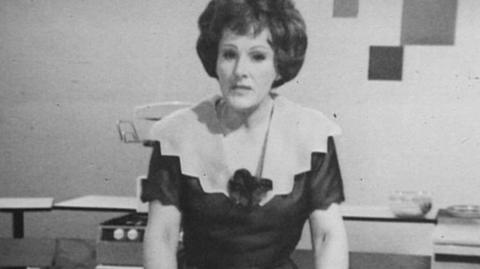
(241, 87)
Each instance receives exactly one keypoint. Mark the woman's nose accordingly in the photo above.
(241, 67)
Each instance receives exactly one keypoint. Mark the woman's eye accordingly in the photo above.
(258, 57)
(229, 55)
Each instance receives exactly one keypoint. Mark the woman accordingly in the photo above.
(242, 171)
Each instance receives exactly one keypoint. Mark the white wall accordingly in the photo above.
(69, 69)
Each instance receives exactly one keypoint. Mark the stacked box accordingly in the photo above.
(456, 242)
(120, 240)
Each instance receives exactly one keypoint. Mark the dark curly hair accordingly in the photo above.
(280, 17)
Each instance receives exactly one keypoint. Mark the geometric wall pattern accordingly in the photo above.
(424, 22)
(385, 63)
(345, 8)
(429, 22)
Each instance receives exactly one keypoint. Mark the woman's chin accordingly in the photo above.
(239, 104)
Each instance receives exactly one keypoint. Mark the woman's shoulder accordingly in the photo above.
(296, 132)
(305, 120)
(184, 121)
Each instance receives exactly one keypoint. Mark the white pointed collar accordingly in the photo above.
(194, 134)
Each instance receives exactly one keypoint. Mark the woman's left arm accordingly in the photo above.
(329, 238)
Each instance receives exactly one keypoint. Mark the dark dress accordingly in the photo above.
(221, 234)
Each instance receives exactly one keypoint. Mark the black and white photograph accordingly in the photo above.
(240, 134)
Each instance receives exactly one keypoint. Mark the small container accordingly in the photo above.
(464, 211)
(410, 204)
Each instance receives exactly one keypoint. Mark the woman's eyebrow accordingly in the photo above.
(261, 47)
(228, 45)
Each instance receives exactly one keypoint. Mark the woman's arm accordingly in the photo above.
(329, 238)
(161, 236)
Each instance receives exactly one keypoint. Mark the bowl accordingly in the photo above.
(410, 204)
(464, 211)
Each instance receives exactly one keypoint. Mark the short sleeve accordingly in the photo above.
(163, 179)
(326, 186)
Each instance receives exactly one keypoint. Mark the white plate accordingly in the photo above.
(464, 211)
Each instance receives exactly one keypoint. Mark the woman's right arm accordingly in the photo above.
(161, 236)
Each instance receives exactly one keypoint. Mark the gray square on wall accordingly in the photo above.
(385, 63)
(345, 8)
(428, 22)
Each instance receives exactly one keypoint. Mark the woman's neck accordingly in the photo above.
(234, 120)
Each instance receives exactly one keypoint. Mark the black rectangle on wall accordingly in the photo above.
(385, 63)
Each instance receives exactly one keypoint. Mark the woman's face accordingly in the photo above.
(245, 69)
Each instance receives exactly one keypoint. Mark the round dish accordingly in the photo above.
(410, 204)
(464, 211)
